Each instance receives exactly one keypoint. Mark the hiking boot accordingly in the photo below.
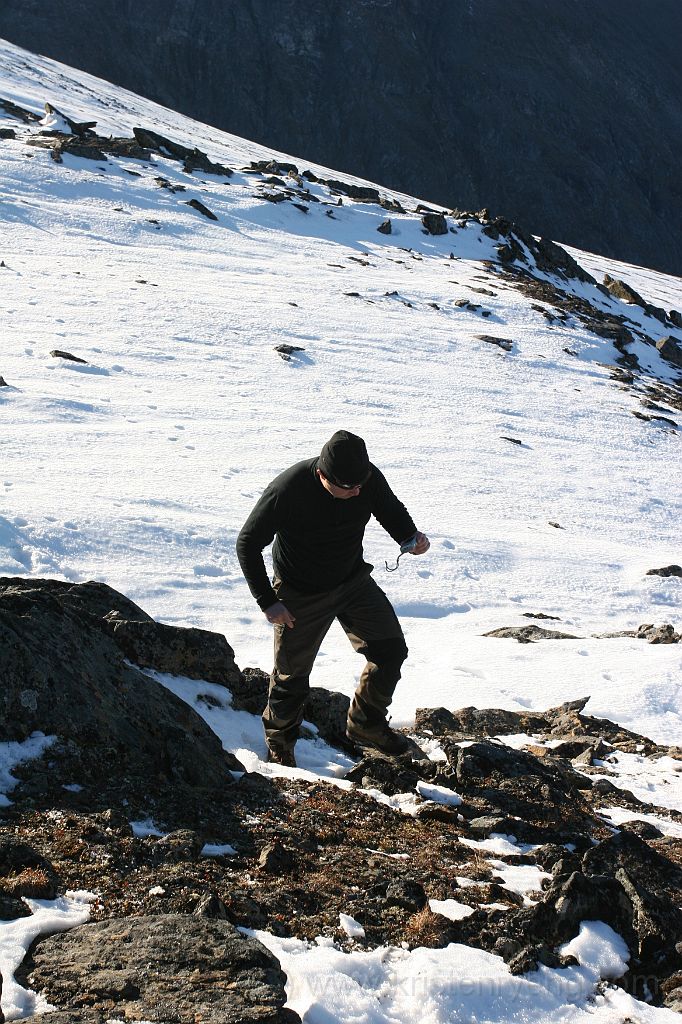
(284, 757)
(379, 737)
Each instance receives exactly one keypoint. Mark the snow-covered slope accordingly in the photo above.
(138, 467)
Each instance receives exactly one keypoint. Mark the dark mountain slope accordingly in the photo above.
(565, 116)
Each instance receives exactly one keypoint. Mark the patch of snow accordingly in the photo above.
(47, 917)
(505, 845)
(351, 927)
(217, 850)
(451, 909)
(440, 986)
(438, 794)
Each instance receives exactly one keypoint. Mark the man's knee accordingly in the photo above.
(387, 654)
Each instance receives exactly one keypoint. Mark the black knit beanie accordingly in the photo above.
(344, 459)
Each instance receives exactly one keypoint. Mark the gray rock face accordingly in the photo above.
(169, 968)
(196, 653)
(529, 634)
(670, 349)
(55, 656)
(600, 138)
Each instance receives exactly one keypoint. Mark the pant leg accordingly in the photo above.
(295, 652)
(372, 627)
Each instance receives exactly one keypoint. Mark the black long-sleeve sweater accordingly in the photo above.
(318, 538)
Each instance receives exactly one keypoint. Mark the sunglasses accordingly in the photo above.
(350, 487)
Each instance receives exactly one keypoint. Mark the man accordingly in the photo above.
(317, 511)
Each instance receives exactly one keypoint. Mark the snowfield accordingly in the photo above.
(139, 466)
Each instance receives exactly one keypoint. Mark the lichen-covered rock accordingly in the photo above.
(55, 656)
(161, 968)
(178, 650)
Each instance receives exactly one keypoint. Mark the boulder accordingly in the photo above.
(435, 223)
(478, 722)
(670, 349)
(529, 634)
(621, 290)
(129, 732)
(179, 968)
(59, 354)
(178, 650)
(666, 570)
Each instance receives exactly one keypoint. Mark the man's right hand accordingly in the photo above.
(279, 615)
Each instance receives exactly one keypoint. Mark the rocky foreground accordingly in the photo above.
(163, 941)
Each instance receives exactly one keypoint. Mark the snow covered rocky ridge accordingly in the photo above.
(138, 466)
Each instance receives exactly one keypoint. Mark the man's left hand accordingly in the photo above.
(423, 544)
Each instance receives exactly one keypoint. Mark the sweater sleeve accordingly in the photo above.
(389, 511)
(257, 533)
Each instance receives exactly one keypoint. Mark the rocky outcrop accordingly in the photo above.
(167, 967)
(65, 675)
(291, 855)
(671, 349)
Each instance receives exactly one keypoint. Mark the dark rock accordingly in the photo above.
(275, 167)
(529, 634)
(435, 223)
(447, 815)
(12, 907)
(58, 354)
(406, 893)
(643, 829)
(671, 350)
(389, 775)
(574, 746)
(503, 343)
(211, 906)
(500, 342)
(55, 657)
(530, 957)
(666, 570)
(3, 383)
(25, 872)
(664, 634)
(250, 692)
(478, 722)
(181, 845)
(360, 193)
(286, 351)
(275, 859)
(540, 615)
(171, 967)
(21, 113)
(75, 146)
(385, 228)
(489, 823)
(603, 787)
(7, 133)
(178, 650)
(621, 290)
(328, 711)
(196, 204)
(274, 197)
(675, 318)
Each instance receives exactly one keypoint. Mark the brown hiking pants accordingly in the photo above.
(371, 625)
